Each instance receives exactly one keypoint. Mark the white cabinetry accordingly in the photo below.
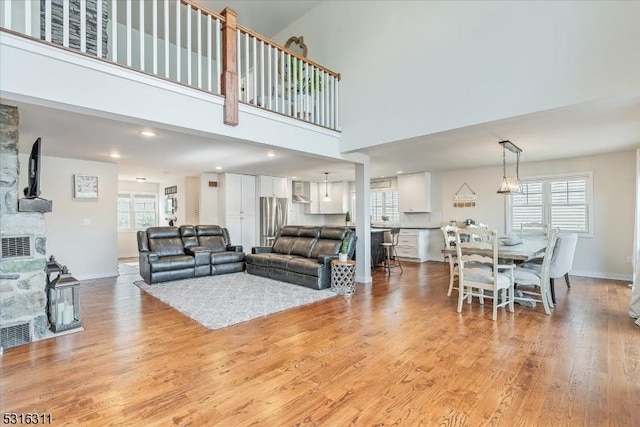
(272, 186)
(338, 193)
(239, 208)
(414, 192)
(412, 244)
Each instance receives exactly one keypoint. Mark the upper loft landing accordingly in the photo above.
(176, 45)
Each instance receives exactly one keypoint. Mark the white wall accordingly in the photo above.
(127, 240)
(192, 202)
(444, 65)
(208, 200)
(614, 175)
(81, 233)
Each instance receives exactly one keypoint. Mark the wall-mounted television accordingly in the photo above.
(32, 190)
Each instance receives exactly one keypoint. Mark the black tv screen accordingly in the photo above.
(33, 189)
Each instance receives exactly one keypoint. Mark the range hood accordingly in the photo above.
(301, 191)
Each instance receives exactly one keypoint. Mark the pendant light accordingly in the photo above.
(510, 185)
(326, 197)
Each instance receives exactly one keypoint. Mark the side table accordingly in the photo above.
(343, 277)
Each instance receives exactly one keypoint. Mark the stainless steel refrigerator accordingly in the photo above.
(273, 216)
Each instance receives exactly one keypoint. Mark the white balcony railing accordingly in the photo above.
(277, 79)
(182, 42)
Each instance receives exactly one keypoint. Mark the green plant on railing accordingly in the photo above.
(303, 81)
(347, 218)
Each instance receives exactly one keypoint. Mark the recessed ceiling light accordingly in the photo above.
(141, 179)
(218, 168)
(271, 154)
(114, 155)
(398, 172)
(147, 133)
(294, 177)
(381, 176)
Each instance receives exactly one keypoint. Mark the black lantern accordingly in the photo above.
(63, 294)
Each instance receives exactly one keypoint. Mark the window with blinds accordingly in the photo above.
(563, 202)
(137, 211)
(384, 203)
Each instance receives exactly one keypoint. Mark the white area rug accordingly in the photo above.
(227, 299)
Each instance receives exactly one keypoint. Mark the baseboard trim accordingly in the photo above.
(97, 275)
(601, 275)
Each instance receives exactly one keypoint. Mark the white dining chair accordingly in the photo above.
(536, 279)
(477, 248)
(449, 233)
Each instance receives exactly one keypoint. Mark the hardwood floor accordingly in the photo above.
(397, 353)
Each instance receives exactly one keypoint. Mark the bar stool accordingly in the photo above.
(389, 250)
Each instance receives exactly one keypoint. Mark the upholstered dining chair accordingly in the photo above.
(476, 248)
(561, 261)
(536, 278)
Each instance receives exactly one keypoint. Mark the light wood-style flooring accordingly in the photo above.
(397, 353)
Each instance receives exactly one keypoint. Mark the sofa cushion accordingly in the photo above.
(284, 244)
(309, 232)
(334, 233)
(289, 230)
(211, 237)
(213, 243)
(165, 241)
(280, 261)
(306, 266)
(303, 246)
(259, 259)
(326, 247)
(175, 262)
(188, 236)
(226, 257)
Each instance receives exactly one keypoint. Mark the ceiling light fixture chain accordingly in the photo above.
(326, 197)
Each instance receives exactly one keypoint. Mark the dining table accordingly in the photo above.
(529, 247)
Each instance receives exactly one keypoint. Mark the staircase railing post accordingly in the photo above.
(229, 78)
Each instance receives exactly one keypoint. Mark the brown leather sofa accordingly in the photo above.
(172, 253)
(301, 255)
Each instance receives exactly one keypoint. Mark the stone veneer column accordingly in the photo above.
(22, 280)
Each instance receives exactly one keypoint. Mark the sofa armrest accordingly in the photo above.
(234, 248)
(326, 259)
(202, 255)
(261, 250)
(151, 256)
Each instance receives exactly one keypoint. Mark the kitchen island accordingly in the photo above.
(377, 237)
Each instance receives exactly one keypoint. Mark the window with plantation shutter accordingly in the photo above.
(527, 207)
(384, 203)
(564, 202)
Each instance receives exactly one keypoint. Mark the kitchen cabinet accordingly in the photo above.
(414, 192)
(238, 208)
(413, 244)
(272, 186)
(338, 193)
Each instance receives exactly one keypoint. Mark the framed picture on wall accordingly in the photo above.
(85, 186)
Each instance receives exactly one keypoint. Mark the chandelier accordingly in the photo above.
(510, 185)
